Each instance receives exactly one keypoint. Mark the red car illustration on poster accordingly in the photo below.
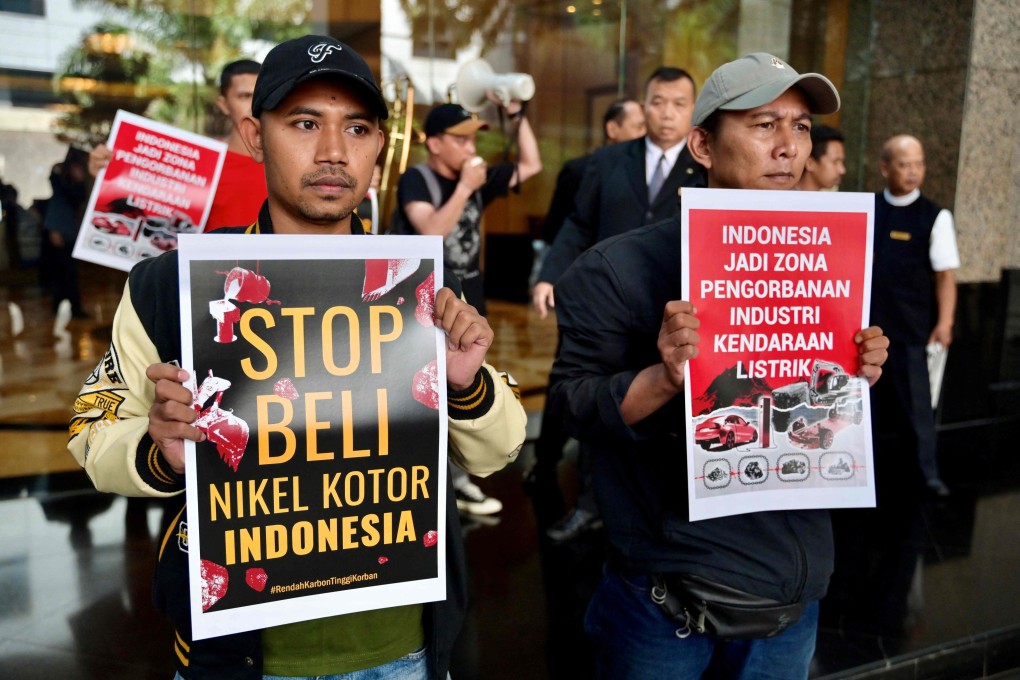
(730, 431)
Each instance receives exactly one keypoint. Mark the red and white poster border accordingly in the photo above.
(777, 418)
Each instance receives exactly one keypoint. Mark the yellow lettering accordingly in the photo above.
(228, 544)
(354, 344)
(313, 425)
(347, 411)
(348, 532)
(248, 333)
(377, 337)
(371, 537)
(276, 541)
(304, 540)
(298, 314)
(405, 531)
(218, 501)
(265, 428)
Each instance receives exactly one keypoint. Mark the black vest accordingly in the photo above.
(902, 287)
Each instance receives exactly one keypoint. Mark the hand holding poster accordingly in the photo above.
(781, 282)
(160, 182)
(321, 387)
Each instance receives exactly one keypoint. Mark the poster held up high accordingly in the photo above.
(778, 418)
(159, 183)
(321, 386)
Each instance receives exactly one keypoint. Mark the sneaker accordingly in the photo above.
(573, 525)
(472, 500)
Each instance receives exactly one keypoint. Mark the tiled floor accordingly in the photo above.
(922, 578)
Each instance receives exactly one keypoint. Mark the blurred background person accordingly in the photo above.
(65, 209)
(825, 166)
(623, 121)
(242, 187)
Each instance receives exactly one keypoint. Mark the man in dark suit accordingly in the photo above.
(630, 184)
(623, 121)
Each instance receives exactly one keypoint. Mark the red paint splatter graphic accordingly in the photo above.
(383, 560)
(226, 314)
(382, 276)
(256, 578)
(241, 285)
(228, 432)
(245, 285)
(425, 386)
(426, 294)
(430, 539)
(215, 581)
(284, 387)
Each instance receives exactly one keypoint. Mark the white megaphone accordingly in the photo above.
(476, 76)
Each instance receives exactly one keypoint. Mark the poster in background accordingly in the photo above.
(321, 387)
(160, 182)
(777, 417)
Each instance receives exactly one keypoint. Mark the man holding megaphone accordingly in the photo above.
(448, 194)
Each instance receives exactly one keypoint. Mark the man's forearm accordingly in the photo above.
(529, 163)
(649, 392)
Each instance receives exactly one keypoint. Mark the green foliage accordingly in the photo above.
(162, 59)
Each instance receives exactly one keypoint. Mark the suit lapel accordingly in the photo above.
(682, 175)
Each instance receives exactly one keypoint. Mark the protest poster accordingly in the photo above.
(159, 183)
(777, 416)
(320, 382)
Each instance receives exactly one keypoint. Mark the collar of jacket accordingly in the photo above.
(264, 223)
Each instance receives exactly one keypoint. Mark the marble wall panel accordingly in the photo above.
(988, 185)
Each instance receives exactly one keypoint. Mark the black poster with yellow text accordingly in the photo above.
(319, 382)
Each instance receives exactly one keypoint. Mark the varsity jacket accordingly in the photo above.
(609, 306)
(109, 438)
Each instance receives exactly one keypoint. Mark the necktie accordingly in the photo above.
(658, 177)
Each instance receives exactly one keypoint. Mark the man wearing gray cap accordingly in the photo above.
(736, 596)
(315, 127)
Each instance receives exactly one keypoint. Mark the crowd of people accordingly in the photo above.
(611, 234)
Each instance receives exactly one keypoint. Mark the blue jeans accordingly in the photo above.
(413, 666)
(635, 640)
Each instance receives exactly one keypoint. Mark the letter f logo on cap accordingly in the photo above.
(320, 51)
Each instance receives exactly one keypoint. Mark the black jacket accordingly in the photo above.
(113, 406)
(613, 199)
(609, 306)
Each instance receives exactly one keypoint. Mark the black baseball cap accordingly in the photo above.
(452, 118)
(295, 61)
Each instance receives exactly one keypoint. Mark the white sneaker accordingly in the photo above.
(472, 500)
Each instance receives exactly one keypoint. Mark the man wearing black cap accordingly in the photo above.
(448, 194)
(627, 336)
(315, 126)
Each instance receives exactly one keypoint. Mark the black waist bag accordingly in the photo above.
(703, 606)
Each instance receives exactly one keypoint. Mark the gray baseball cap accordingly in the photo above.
(757, 79)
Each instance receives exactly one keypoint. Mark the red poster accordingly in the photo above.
(160, 182)
(778, 418)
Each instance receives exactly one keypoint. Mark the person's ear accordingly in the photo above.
(612, 130)
(700, 145)
(251, 135)
(221, 104)
(432, 144)
(884, 167)
(811, 164)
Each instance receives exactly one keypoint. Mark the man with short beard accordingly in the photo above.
(315, 127)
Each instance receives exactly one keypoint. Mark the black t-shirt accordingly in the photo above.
(462, 247)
